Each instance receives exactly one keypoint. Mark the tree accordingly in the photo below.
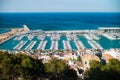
(95, 64)
(55, 66)
(59, 70)
(14, 66)
(109, 71)
(79, 59)
(69, 74)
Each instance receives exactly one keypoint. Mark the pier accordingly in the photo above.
(66, 45)
(30, 46)
(42, 45)
(54, 45)
(6, 39)
(55, 36)
(95, 45)
(71, 37)
(30, 37)
(79, 44)
(92, 36)
(20, 45)
(18, 38)
(41, 37)
(88, 36)
(92, 45)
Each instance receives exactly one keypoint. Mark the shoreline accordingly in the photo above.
(8, 35)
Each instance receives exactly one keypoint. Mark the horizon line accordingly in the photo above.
(60, 12)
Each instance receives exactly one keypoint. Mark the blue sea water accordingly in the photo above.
(59, 21)
(4, 30)
(104, 42)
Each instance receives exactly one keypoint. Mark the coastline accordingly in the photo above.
(8, 35)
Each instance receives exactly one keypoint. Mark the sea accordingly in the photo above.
(60, 21)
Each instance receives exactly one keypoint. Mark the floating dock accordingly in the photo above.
(54, 45)
(66, 45)
(18, 38)
(79, 44)
(30, 37)
(30, 46)
(42, 45)
(20, 45)
(95, 45)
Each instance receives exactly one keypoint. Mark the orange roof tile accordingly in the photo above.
(107, 56)
(90, 57)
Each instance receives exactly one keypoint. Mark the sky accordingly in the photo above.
(59, 5)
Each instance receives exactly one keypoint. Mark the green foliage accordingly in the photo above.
(19, 66)
(55, 66)
(95, 64)
(79, 59)
(70, 74)
(109, 71)
(59, 70)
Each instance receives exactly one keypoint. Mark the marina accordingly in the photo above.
(63, 40)
(60, 40)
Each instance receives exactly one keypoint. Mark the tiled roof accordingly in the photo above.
(87, 57)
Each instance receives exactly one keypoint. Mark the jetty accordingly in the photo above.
(54, 45)
(30, 46)
(95, 45)
(20, 45)
(42, 45)
(41, 37)
(30, 37)
(79, 44)
(55, 36)
(66, 45)
(26, 28)
(14, 31)
(18, 38)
